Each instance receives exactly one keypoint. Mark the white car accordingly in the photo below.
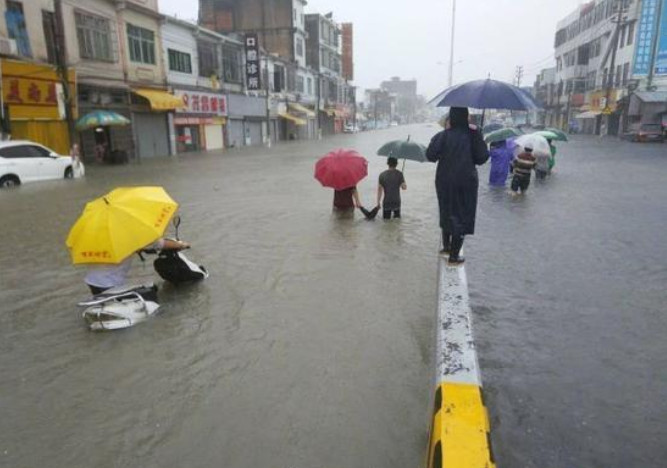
(26, 161)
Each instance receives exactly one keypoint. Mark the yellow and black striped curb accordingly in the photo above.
(459, 436)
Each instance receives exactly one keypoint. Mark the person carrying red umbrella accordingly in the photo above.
(342, 170)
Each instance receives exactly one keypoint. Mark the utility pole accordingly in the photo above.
(450, 81)
(267, 87)
(519, 75)
(375, 108)
(61, 68)
(612, 76)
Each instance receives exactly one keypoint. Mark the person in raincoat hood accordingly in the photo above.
(457, 150)
(501, 156)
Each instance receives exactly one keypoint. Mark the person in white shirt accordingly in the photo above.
(103, 277)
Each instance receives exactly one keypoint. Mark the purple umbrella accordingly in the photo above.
(486, 94)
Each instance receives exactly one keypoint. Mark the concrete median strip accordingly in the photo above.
(459, 436)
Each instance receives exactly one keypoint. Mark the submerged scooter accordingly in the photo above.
(126, 306)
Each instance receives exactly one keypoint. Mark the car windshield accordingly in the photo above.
(651, 127)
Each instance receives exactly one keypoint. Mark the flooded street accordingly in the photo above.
(310, 345)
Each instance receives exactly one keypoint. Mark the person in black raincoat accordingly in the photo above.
(457, 150)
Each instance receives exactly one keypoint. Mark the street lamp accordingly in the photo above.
(451, 51)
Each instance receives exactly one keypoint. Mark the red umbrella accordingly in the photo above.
(341, 169)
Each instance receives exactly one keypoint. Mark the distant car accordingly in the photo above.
(349, 128)
(393, 124)
(645, 133)
(24, 161)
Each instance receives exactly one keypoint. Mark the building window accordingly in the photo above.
(300, 84)
(626, 73)
(142, 44)
(590, 80)
(94, 36)
(621, 41)
(631, 33)
(299, 47)
(49, 26)
(179, 61)
(208, 59)
(16, 27)
(309, 85)
(278, 78)
(231, 65)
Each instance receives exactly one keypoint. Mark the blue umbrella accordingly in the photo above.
(486, 94)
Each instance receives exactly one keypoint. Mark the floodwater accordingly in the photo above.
(311, 343)
(308, 346)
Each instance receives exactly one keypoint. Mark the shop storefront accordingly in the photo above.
(200, 124)
(151, 121)
(308, 131)
(111, 143)
(33, 104)
(289, 122)
(247, 121)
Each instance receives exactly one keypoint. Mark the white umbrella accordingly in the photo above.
(538, 143)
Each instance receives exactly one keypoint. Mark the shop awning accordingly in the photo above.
(652, 96)
(295, 106)
(331, 112)
(293, 118)
(160, 100)
(588, 115)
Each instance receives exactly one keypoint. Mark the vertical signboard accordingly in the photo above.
(348, 51)
(645, 34)
(661, 57)
(252, 63)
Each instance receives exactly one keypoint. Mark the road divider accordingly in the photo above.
(459, 435)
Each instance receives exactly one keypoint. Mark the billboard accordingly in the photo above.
(646, 31)
(252, 64)
(661, 54)
(348, 51)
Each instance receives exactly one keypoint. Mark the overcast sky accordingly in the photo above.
(411, 38)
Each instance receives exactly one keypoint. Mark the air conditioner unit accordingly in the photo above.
(8, 46)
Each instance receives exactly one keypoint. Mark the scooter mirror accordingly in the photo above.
(177, 222)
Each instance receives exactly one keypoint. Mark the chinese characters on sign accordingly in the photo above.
(252, 70)
(27, 92)
(202, 103)
(645, 34)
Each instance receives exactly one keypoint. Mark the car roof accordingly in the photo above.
(8, 143)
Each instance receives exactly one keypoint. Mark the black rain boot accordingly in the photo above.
(446, 243)
(454, 257)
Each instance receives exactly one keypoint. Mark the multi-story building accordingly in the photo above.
(594, 49)
(336, 102)
(648, 101)
(116, 48)
(280, 29)
(37, 94)
(406, 97)
(380, 107)
(545, 92)
(195, 59)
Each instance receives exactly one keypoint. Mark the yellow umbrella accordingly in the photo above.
(113, 227)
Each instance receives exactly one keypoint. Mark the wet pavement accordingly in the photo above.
(311, 343)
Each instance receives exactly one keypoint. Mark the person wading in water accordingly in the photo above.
(457, 150)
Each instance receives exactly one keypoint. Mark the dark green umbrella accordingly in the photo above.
(403, 149)
(502, 134)
(562, 136)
